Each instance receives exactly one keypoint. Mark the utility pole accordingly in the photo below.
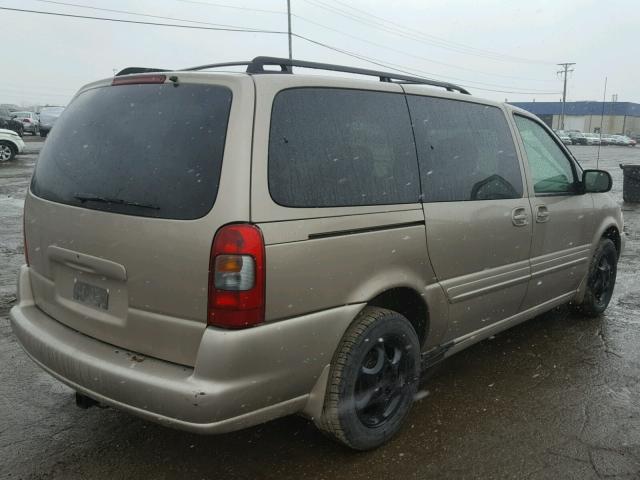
(289, 25)
(565, 71)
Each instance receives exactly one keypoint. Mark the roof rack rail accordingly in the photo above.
(256, 66)
(216, 65)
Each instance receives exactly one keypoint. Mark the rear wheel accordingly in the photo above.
(601, 280)
(374, 377)
(7, 152)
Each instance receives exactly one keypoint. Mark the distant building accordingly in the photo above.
(619, 117)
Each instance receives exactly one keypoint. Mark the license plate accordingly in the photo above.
(91, 295)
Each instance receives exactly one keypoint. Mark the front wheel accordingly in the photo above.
(601, 280)
(374, 377)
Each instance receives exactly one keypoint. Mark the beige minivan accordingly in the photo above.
(213, 250)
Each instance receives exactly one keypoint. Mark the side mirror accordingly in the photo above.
(596, 181)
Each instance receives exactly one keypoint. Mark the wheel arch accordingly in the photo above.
(11, 144)
(613, 234)
(408, 303)
(609, 228)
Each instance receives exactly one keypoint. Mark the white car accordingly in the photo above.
(10, 145)
(592, 138)
(623, 140)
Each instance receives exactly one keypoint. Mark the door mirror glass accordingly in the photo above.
(596, 181)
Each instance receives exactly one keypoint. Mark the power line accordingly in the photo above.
(402, 52)
(312, 22)
(372, 60)
(126, 12)
(420, 33)
(137, 22)
(425, 39)
(232, 7)
(406, 70)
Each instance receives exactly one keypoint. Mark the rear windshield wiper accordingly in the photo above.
(85, 197)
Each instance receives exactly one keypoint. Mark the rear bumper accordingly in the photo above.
(241, 378)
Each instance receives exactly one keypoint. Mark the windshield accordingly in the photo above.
(147, 150)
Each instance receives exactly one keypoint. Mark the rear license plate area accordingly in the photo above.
(91, 295)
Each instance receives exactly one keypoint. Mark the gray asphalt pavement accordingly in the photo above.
(556, 397)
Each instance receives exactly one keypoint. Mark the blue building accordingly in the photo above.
(618, 118)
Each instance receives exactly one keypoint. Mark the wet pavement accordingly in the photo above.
(556, 397)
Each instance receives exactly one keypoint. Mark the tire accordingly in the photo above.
(601, 279)
(43, 134)
(20, 132)
(373, 379)
(7, 152)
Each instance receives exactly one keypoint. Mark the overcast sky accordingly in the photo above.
(509, 46)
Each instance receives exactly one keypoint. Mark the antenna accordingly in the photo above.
(604, 98)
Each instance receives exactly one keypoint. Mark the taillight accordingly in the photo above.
(237, 277)
(26, 120)
(133, 79)
(24, 238)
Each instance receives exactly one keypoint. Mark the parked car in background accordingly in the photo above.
(284, 267)
(623, 140)
(10, 145)
(615, 140)
(577, 137)
(29, 120)
(9, 123)
(564, 137)
(608, 139)
(592, 138)
(48, 117)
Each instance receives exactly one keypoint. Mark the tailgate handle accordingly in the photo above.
(87, 263)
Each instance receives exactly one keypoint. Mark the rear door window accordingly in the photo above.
(466, 151)
(337, 147)
(147, 150)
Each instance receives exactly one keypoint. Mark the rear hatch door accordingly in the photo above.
(124, 203)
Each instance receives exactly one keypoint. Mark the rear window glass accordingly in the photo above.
(466, 151)
(335, 147)
(146, 150)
